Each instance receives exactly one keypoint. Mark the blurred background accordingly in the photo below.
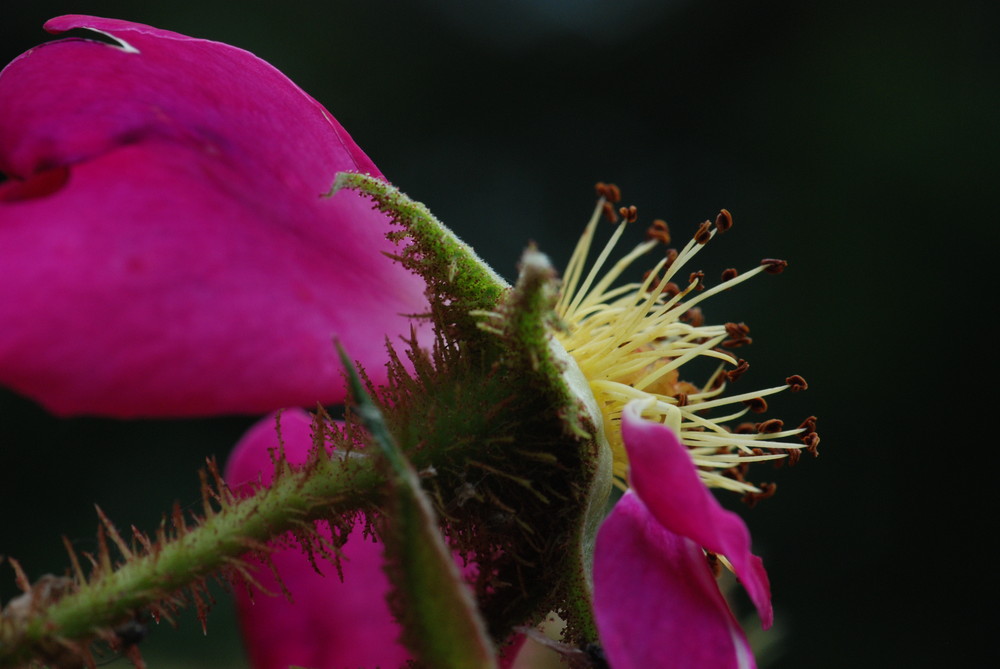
(857, 140)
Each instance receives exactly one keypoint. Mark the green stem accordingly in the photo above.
(297, 496)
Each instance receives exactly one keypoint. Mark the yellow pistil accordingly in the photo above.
(632, 341)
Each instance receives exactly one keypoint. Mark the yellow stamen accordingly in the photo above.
(630, 342)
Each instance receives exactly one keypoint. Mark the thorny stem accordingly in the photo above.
(295, 498)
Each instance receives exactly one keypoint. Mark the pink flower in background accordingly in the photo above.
(164, 244)
(329, 623)
(655, 597)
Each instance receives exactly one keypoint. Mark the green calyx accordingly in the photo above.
(501, 419)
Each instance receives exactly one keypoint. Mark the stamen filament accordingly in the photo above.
(632, 341)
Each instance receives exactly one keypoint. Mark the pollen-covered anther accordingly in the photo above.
(757, 404)
(811, 440)
(737, 329)
(730, 274)
(723, 221)
(697, 278)
(682, 399)
(796, 383)
(609, 192)
(737, 335)
(792, 457)
(609, 212)
(704, 233)
(659, 231)
(809, 424)
(767, 491)
(773, 265)
(630, 213)
(671, 257)
(693, 317)
(671, 290)
(736, 342)
(770, 426)
(741, 368)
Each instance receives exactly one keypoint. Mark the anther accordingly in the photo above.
(629, 213)
(773, 265)
(745, 428)
(671, 257)
(736, 342)
(796, 383)
(609, 212)
(811, 441)
(693, 317)
(741, 367)
(730, 274)
(757, 404)
(793, 456)
(704, 232)
(809, 424)
(724, 221)
(767, 491)
(770, 426)
(699, 278)
(682, 399)
(671, 289)
(609, 192)
(737, 329)
(659, 231)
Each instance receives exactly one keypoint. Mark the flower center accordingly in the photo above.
(632, 341)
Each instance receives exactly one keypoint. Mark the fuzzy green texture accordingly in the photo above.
(457, 280)
(450, 266)
(515, 455)
(441, 625)
(323, 488)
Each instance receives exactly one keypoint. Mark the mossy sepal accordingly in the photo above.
(441, 624)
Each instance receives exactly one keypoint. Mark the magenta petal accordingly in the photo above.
(330, 624)
(655, 598)
(164, 242)
(663, 475)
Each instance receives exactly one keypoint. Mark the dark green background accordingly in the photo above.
(855, 139)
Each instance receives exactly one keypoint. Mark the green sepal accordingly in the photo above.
(441, 624)
(458, 281)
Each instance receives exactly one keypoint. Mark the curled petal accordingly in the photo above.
(664, 477)
(656, 600)
(164, 240)
(329, 623)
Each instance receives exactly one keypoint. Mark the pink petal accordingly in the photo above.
(330, 623)
(663, 475)
(656, 600)
(163, 241)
